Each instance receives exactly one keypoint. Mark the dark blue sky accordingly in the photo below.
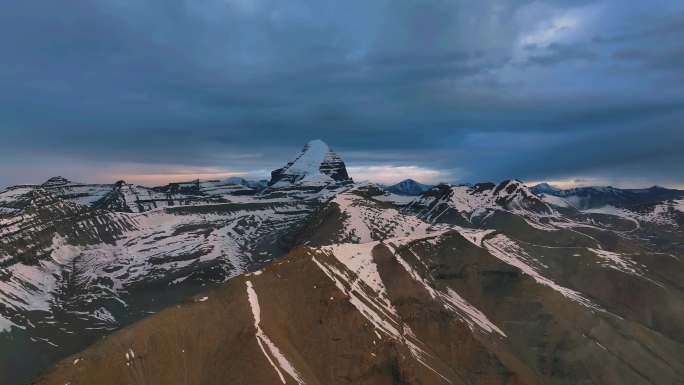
(561, 90)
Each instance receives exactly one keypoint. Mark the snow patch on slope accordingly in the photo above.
(623, 263)
(660, 214)
(508, 251)
(358, 259)
(380, 313)
(451, 300)
(262, 339)
(554, 200)
(30, 287)
(459, 304)
(616, 261)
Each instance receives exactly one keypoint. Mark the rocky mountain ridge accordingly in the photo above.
(381, 296)
(432, 286)
(594, 197)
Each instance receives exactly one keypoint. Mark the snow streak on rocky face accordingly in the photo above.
(356, 274)
(357, 259)
(450, 299)
(262, 339)
(617, 261)
(510, 252)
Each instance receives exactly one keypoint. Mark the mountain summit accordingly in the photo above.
(316, 163)
(408, 187)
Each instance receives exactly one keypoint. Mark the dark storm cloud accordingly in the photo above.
(560, 53)
(477, 90)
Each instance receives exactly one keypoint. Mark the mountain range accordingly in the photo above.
(313, 278)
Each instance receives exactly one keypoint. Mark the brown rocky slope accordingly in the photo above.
(434, 309)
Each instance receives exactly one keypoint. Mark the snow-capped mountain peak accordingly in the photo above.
(315, 163)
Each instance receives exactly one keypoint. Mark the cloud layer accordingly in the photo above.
(462, 90)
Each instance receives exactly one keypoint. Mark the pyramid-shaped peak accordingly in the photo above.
(315, 163)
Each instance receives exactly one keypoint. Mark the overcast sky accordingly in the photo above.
(572, 91)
